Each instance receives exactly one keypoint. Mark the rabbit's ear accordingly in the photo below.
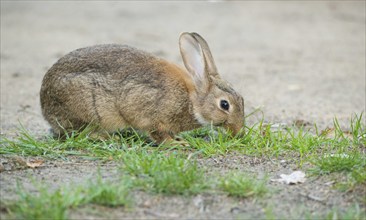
(210, 63)
(194, 60)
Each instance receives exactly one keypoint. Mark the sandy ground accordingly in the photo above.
(294, 60)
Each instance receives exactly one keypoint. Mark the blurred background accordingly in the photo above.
(294, 60)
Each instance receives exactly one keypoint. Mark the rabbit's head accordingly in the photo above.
(214, 100)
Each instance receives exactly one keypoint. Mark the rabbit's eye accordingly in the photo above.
(224, 105)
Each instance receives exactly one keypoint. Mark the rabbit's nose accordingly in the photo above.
(235, 129)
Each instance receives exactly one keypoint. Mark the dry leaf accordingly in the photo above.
(35, 163)
(19, 161)
(293, 178)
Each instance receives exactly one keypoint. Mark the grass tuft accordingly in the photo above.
(242, 185)
(54, 204)
(166, 169)
(329, 163)
(45, 205)
(107, 193)
(75, 144)
(167, 174)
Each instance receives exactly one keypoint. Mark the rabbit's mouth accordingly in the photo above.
(234, 129)
(221, 124)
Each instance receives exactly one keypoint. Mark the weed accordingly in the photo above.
(242, 185)
(358, 130)
(75, 144)
(54, 204)
(45, 205)
(176, 175)
(107, 193)
(341, 162)
(172, 171)
(168, 174)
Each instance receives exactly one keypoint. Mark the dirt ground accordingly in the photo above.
(294, 60)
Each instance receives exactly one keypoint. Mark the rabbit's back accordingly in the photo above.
(106, 59)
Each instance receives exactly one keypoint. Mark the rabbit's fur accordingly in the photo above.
(116, 86)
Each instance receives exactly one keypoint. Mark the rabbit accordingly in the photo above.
(115, 86)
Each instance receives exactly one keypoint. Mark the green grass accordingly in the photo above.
(45, 205)
(300, 145)
(55, 204)
(343, 153)
(108, 193)
(341, 162)
(174, 170)
(167, 174)
(242, 185)
(77, 144)
(212, 142)
(259, 140)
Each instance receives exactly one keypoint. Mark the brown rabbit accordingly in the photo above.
(116, 86)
